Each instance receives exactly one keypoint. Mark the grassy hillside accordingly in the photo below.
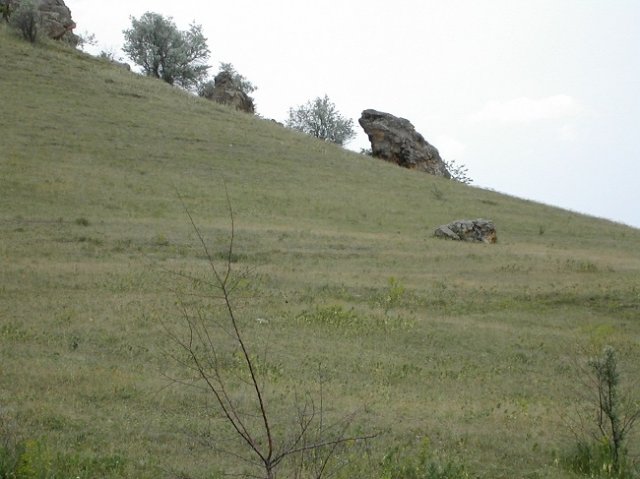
(471, 349)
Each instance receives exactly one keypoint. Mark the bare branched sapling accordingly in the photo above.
(206, 343)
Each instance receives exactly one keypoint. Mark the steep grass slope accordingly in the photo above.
(470, 346)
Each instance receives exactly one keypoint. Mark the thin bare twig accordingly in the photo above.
(203, 358)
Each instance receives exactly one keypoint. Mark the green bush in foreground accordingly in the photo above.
(593, 460)
(603, 452)
(614, 420)
(425, 465)
(32, 459)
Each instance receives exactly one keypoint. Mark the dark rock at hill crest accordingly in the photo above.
(396, 140)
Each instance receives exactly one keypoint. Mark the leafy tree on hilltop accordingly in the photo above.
(321, 119)
(178, 57)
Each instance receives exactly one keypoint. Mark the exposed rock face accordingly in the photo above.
(479, 231)
(396, 140)
(226, 92)
(56, 18)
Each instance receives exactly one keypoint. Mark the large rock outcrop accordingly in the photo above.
(478, 231)
(56, 18)
(227, 92)
(396, 140)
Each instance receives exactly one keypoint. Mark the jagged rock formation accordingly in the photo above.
(396, 140)
(56, 18)
(479, 231)
(227, 92)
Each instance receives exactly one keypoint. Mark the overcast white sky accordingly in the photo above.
(539, 98)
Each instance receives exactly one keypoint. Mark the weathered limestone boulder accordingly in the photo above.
(479, 231)
(56, 18)
(227, 92)
(396, 140)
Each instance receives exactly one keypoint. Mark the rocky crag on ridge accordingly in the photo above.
(56, 18)
(227, 92)
(396, 140)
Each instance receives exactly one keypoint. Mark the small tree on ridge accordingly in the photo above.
(177, 57)
(321, 119)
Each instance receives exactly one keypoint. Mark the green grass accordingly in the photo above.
(470, 346)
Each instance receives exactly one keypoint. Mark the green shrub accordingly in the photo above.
(31, 459)
(338, 318)
(26, 20)
(35, 461)
(8, 462)
(578, 266)
(397, 464)
(10, 447)
(5, 10)
(331, 316)
(392, 296)
(594, 460)
(615, 415)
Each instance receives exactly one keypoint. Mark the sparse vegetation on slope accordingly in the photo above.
(466, 348)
